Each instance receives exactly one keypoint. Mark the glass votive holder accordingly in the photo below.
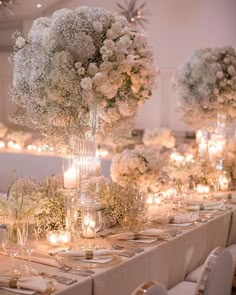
(64, 237)
(53, 238)
(58, 238)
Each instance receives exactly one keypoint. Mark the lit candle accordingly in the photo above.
(2, 144)
(188, 157)
(89, 226)
(200, 134)
(212, 152)
(224, 182)
(17, 146)
(203, 189)
(65, 237)
(70, 177)
(53, 238)
(202, 148)
(177, 157)
(149, 200)
(157, 200)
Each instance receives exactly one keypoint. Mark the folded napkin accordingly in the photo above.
(154, 232)
(180, 218)
(207, 206)
(82, 253)
(35, 283)
(185, 217)
(135, 237)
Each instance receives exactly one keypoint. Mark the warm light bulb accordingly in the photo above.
(39, 5)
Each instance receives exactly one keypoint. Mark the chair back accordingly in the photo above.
(217, 274)
(150, 288)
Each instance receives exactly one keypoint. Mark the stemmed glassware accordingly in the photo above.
(12, 239)
(31, 242)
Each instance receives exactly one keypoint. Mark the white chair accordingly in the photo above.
(150, 288)
(214, 278)
(232, 249)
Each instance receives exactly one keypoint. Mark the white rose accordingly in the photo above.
(219, 75)
(120, 57)
(100, 78)
(97, 26)
(81, 71)
(78, 65)
(86, 83)
(92, 69)
(106, 66)
(231, 70)
(109, 44)
(20, 42)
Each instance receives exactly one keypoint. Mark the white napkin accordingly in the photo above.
(186, 217)
(35, 283)
(81, 253)
(207, 206)
(130, 237)
(152, 232)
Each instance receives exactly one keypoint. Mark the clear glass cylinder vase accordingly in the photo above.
(84, 149)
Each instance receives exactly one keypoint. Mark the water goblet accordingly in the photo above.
(11, 245)
(30, 244)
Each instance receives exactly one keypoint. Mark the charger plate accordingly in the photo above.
(75, 262)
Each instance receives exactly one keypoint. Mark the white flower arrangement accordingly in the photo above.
(22, 201)
(138, 168)
(189, 168)
(206, 84)
(73, 58)
(161, 137)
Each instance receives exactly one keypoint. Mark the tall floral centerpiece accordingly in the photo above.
(74, 60)
(206, 85)
(74, 68)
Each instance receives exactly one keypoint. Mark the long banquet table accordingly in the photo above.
(167, 262)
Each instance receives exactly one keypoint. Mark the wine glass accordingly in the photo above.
(11, 244)
(31, 243)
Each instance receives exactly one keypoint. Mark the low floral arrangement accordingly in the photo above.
(121, 205)
(27, 199)
(160, 137)
(73, 60)
(139, 168)
(22, 200)
(52, 215)
(193, 170)
(206, 84)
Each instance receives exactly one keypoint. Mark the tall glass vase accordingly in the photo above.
(84, 151)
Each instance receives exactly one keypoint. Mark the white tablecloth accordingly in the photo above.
(168, 262)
